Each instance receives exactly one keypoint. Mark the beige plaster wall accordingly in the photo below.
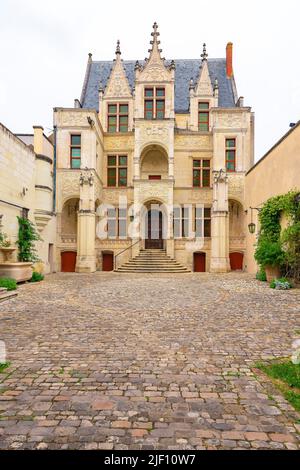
(277, 173)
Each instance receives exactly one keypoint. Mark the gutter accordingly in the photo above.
(54, 168)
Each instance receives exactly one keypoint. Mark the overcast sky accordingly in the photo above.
(44, 45)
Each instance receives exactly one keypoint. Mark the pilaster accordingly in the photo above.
(220, 225)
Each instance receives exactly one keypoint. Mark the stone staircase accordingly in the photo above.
(5, 294)
(152, 261)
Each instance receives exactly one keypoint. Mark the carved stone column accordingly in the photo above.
(220, 225)
(86, 259)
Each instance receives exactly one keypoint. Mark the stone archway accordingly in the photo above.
(69, 221)
(154, 163)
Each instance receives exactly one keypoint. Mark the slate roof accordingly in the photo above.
(185, 70)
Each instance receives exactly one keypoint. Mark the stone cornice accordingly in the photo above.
(40, 186)
(39, 156)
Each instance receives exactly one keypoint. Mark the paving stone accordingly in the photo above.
(150, 362)
(282, 437)
(256, 436)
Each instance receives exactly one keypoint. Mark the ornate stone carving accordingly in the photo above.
(118, 86)
(145, 190)
(155, 133)
(156, 73)
(111, 143)
(72, 119)
(220, 176)
(156, 130)
(155, 69)
(204, 86)
(228, 120)
(201, 196)
(70, 185)
(112, 197)
(236, 186)
(190, 142)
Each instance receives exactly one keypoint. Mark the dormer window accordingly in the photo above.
(203, 116)
(117, 118)
(154, 103)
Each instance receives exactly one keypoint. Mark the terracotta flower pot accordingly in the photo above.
(272, 272)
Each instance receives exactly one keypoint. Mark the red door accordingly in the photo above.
(107, 262)
(68, 261)
(199, 262)
(236, 261)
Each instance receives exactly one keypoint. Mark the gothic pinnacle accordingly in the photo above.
(118, 50)
(204, 54)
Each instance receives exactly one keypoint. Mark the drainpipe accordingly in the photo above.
(54, 170)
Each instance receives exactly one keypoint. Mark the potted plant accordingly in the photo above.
(270, 256)
(22, 270)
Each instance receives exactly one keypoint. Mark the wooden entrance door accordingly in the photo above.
(154, 230)
(199, 262)
(68, 261)
(236, 261)
(107, 262)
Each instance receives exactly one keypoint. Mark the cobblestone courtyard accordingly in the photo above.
(110, 361)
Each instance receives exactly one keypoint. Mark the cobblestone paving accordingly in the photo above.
(112, 361)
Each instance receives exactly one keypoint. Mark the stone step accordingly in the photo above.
(136, 263)
(3, 289)
(156, 270)
(153, 256)
(7, 295)
(152, 261)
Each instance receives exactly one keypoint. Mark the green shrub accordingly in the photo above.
(277, 246)
(8, 283)
(269, 253)
(281, 284)
(36, 277)
(261, 275)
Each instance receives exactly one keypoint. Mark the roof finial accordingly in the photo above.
(172, 65)
(100, 87)
(204, 54)
(216, 84)
(155, 34)
(118, 50)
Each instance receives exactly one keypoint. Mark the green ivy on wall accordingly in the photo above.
(277, 247)
(26, 237)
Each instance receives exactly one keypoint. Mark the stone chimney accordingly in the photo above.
(38, 139)
(229, 66)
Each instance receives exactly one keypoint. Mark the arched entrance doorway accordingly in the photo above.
(154, 229)
(199, 262)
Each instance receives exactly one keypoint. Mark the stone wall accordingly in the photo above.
(275, 174)
(20, 175)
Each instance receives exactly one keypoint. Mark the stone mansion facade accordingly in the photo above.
(153, 156)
